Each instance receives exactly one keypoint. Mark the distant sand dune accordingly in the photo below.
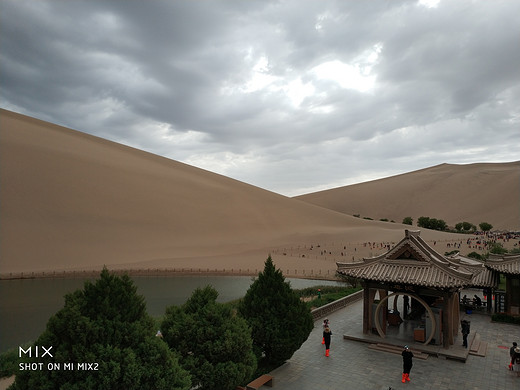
(474, 193)
(69, 201)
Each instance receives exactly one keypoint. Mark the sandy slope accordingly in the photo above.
(73, 201)
(70, 200)
(486, 192)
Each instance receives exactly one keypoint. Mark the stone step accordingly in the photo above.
(475, 345)
(397, 350)
(481, 350)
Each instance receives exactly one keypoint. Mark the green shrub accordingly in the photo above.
(331, 296)
(497, 248)
(502, 317)
(9, 362)
(312, 291)
(476, 255)
(407, 220)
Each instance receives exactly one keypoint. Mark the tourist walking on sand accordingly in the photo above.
(515, 361)
(326, 337)
(407, 363)
(511, 353)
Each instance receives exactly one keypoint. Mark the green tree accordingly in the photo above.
(497, 249)
(476, 255)
(104, 324)
(407, 220)
(432, 223)
(279, 320)
(215, 344)
(423, 222)
(439, 224)
(459, 227)
(467, 227)
(485, 227)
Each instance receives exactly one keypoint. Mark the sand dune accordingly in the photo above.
(485, 192)
(69, 200)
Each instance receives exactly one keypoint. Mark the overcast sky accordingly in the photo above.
(291, 96)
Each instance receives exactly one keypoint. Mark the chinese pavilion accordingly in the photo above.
(428, 282)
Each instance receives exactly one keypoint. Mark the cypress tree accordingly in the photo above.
(279, 320)
(106, 325)
(214, 343)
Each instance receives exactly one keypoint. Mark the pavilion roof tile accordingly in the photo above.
(507, 264)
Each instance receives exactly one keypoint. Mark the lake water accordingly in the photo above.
(26, 305)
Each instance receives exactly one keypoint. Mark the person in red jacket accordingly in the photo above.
(325, 325)
(326, 336)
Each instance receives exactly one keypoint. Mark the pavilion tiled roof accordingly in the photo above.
(507, 264)
(411, 261)
(482, 275)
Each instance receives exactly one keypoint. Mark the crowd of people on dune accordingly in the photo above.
(480, 241)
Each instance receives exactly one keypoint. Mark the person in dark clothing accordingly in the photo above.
(326, 336)
(325, 325)
(465, 331)
(515, 361)
(511, 354)
(407, 363)
(406, 305)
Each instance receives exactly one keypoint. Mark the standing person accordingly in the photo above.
(406, 305)
(325, 325)
(515, 361)
(326, 337)
(407, 363)
(465, 331)
(511, 354)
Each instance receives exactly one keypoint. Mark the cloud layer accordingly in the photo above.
(292, 96)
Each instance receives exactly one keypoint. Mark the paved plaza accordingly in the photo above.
(352, 365)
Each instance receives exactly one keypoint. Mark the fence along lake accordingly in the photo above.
(27, 304)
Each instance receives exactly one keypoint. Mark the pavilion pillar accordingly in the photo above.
(447, 320)
(489, 299)
(368, 298)
(384, 294)
(455, 307)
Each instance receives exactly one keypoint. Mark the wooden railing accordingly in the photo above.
(288, 273)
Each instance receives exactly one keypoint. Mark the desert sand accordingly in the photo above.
(73, 202)
(483, 192)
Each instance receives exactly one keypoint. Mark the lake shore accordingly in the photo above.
(311, 260)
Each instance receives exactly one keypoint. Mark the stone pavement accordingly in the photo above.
(352, 365)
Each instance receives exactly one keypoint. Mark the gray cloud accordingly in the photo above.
(292, 96)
